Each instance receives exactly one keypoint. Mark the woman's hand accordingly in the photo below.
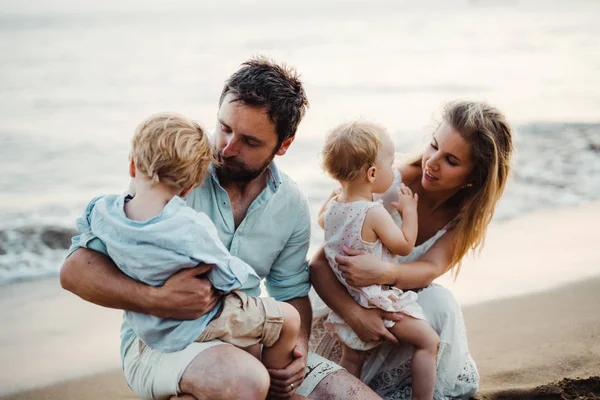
(368, 324)
(360, 268)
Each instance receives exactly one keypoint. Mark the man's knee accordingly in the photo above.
(225, 372)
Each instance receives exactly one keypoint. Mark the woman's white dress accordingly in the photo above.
(387, 369)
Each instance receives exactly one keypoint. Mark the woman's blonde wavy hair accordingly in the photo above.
(490, 135)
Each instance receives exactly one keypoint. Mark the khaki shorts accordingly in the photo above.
(245, 321)
(154, 375)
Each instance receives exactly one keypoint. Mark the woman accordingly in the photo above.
(459, 178)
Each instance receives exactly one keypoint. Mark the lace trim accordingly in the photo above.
(395, 383)
(469, 373)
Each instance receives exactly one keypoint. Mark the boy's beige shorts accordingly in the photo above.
(245, 321)
(155, 375)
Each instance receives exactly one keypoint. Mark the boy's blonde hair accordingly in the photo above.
(171, 149)
(351, 148)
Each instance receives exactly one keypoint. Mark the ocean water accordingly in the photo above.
(76, 77)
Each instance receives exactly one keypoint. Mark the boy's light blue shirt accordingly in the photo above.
(273, 238)
(152, 251)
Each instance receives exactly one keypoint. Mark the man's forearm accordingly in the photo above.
(95, 278)
(302, 304)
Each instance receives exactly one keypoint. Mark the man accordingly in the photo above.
(262, 217)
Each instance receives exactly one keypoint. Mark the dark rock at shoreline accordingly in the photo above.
(566, 389)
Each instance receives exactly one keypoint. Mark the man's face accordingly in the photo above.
(245, 141)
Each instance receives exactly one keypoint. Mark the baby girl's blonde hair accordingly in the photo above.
(351, 148)
(171, 149)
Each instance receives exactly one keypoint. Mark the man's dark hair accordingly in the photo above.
(261, 82)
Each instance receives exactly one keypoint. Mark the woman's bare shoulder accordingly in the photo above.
(409, 173)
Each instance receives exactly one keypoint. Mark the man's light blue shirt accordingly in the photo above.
(273, 237)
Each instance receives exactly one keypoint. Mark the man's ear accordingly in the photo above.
(131, 167)
(285, 146)
(371, 172)
(185, 191)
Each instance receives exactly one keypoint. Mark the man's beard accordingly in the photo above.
(237, 171)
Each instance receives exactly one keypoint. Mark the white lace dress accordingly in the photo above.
(387, 369)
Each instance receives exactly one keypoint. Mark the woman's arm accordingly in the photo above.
(366, 322)
(362, 269)
(95, 278)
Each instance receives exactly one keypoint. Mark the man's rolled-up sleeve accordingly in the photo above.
(86, 238)
(87, 242)
(289, 274)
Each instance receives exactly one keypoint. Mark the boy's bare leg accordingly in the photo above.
(279, 355)
(352, 360)
(423, 367)
(224, 372)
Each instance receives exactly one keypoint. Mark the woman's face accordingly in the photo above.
(447, 162)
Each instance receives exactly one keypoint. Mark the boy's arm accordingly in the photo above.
(398, 241)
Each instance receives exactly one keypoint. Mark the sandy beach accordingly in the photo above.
(541, 344)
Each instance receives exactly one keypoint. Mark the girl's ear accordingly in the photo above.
(131, 167)
(371, 172)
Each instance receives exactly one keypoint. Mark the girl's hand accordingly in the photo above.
(406, 199)
(360, 268)
(368, 324)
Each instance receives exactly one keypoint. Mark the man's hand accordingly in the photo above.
(368, 324)
(184, 295)
(285, 382)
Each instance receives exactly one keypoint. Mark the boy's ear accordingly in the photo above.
(371, 172)
(285, 146)
(131, 167)
(185, 191)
